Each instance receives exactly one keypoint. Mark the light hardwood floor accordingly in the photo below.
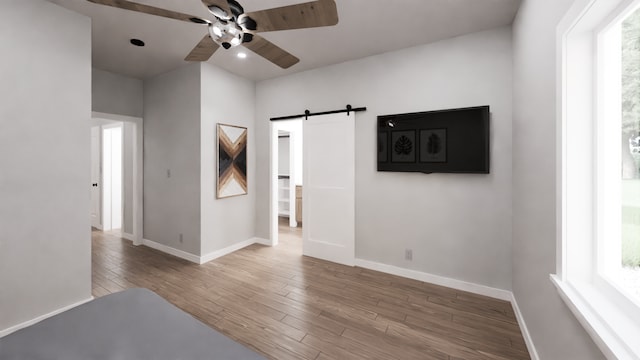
(287, 306)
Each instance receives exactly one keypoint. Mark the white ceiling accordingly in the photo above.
(366, 27)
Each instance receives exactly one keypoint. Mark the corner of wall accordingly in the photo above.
(172, 110)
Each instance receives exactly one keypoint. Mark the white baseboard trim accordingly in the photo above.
(523, 328)
(261, 241)
(126, 236)
(436, 279)
(25, 324)
(204, 258)
(228, 250)
(172, 251)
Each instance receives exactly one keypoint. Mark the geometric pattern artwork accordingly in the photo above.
(232, 161)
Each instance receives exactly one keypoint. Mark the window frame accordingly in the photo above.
(608, 159)
(585, 42)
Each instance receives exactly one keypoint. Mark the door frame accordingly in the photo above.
(273, 184)
(273, 177)
(98, 127)
(137, 168)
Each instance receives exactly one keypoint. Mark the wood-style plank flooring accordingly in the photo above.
(287, 306)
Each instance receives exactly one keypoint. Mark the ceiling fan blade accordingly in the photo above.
(271, 52)
(222, 4)
(306, 15)
(151, 10)
(203, 51)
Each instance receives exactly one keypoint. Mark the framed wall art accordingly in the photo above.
(433, 145)
(232, 161)
(403, 146)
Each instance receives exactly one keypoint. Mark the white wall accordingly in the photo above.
(227, 99)
(172, 144)
(555, 331)
(45, 242)
(181, 110)
(458, 226)
(116, 94)
(121, 95)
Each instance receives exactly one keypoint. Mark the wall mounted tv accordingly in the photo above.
(443, 141)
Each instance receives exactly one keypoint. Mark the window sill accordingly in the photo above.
(615, 334)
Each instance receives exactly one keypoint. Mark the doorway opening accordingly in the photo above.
(116, 175)
(287, 160)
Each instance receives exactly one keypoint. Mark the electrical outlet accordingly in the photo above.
(180, 238)
(408, 254)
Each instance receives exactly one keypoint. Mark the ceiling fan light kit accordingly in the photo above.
(226, 34)
(231, 26)
(230, 30)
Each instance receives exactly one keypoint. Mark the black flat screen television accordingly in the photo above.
(443, 141)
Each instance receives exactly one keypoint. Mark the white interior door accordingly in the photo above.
(116, 177)
(328, 192)
(112, 178)
(106, 179)
(96, 183)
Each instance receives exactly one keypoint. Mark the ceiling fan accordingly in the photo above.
(231, 26)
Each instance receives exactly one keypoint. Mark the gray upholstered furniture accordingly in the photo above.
(133, 324)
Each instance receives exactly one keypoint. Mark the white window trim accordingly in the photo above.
(609, 317)
(615, 334)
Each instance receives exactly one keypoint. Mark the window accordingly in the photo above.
(598, 272)
(618, 148)
(625, 270)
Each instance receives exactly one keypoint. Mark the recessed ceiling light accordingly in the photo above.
(137, 42)
(242, 55)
